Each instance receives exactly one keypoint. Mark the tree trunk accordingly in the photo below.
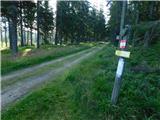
(21, 24)
(1, 38)
(149, 35)
(133, 39)
(5, 33)
(24, 37)
(45, 39)
(56, 37)
(27, 37)
(57, 31)
(13, 27)
(60, 38)
(77, 39)
(136, 22)
(72, 38)
(31, 36)
(38, 32)
(50, 38)
(151, 7)
(137, 15)
(10, 33)
(146, 39)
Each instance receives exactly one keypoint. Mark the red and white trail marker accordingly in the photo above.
(123, 44)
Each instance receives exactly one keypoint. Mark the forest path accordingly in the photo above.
(17, 84)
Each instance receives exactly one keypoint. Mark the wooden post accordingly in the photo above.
(118, 80)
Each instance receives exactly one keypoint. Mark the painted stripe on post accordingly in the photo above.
(123, 44)
(120, 67)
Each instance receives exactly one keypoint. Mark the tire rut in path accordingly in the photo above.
(21, 88)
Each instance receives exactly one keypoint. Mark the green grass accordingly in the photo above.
(29, 56)
(84, 92)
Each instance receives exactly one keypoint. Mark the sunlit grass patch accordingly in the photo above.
(26, 52)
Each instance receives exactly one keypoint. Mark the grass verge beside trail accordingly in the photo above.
(84, 92)
(30, 56)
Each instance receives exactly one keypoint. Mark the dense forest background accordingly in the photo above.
(75, 21)
(142, 16)
(30, 23)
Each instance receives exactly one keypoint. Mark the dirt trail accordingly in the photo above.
(21, 87)
(30, 69)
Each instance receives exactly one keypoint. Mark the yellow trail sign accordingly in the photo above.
(120, 53)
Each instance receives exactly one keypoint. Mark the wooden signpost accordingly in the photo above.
(122, 54)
